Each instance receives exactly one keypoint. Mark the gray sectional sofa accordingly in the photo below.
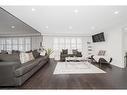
(13, 73)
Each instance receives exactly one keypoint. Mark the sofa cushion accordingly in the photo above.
(9, 64)
(9, 57)
(29, 65)
(25, 68)
(46, 57)
(29, 51)
(4, 52)
(15, 52)
(35, 53)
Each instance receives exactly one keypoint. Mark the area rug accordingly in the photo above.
(76, 68)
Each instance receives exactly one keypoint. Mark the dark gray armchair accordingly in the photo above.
(64, 54)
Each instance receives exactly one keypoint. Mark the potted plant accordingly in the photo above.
(49, 51)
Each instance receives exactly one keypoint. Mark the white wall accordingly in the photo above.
(124, 46)
(113, 46)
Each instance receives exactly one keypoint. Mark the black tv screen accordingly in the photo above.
(98, 37)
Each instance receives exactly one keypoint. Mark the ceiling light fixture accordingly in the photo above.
(93, 27)
(116, 12)
(125, 28)
(13, 27)
(33, 9)
(46, 27)
(70, 27)
(76, 11)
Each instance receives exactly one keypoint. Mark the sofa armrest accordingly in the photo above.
(7, 72)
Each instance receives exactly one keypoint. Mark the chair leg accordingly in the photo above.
(100, 64)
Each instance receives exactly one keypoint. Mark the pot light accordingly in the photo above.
(33, 9)
(70, 27)
(93, 27)
(46, 27)
(13, 27)
(125, 28)
(116, 12)
(76, 11)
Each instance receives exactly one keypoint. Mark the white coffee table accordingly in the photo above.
(74, 59)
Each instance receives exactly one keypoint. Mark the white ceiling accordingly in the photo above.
(63, 19)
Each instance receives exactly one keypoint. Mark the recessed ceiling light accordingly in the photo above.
(46, 27)
(12, 26)
(33, 9)
(93, 27)
(70, 27)
(116, 12)
(125, 28)
(76, 11)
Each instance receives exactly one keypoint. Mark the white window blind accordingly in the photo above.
(16, 43)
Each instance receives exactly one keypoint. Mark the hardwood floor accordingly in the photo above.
(115, 78)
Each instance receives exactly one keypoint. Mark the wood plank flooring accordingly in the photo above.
(115, 78)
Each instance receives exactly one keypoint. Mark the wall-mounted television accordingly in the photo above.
(98, 37)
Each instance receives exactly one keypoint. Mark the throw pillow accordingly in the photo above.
(75, 51)
(29, 51)
(31, 57)
(35, 53)
(9, 52)
(101, 53)
(43, 53)
(24, 57)
(15, 52)
(4, 52)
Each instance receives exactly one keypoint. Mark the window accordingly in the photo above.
(16, 43)
(27, 44)
(79, 44)
(21, 44)
(61, 44)
(73, 43)
(67, 43)
(56, 44)
(2, 44)
(8, 44)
